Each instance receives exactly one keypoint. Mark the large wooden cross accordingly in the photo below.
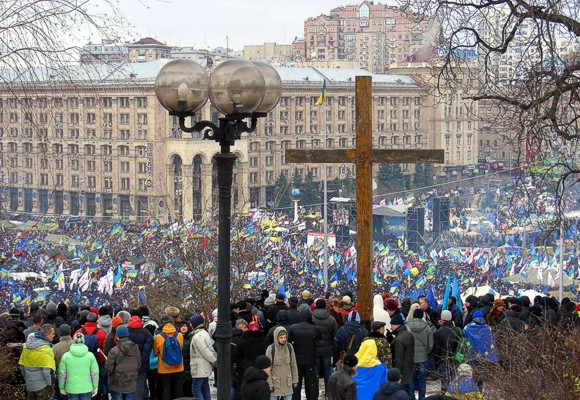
(364, 156)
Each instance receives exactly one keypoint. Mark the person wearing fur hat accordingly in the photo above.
(462, 387)
(169, 377)
(341, 385)
(123, 366)
(255, 383)
(284, 373)
(78, 371)
(497, 313)
(334, 310)
(202, 359)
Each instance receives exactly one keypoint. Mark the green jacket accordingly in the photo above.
(78, 371)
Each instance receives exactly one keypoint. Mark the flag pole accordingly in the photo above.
(324, 193)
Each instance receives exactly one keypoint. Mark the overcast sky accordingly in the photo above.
(207, 23)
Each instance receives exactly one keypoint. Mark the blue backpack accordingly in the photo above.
(171, 355)
(92, 342)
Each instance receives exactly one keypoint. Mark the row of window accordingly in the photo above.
(74, 165)
(343, 100)
(76, 181)
(74, 118)
(74, 102)
(89, 149)
(74, 133)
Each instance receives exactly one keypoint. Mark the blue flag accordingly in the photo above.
(455, 292)
(444, 305)
(431, 298)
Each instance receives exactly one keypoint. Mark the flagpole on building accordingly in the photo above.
(561, 280)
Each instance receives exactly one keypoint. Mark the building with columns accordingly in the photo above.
(104, 148)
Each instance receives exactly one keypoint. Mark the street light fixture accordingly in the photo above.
(240, 90)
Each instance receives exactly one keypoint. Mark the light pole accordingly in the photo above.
(240, 90)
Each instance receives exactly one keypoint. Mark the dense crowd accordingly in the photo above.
(280, 347)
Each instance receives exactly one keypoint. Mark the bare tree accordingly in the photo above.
(520, 61)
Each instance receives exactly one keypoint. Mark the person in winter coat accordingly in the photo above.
(37, 364)
(281, 320)
(153, 375)
(252, 344)
(352, 329)
(169, 377)
(304, 340)
(379, 313)
(469, 308)
(284, 373)
(462, 387)
(392, 389)
(370, 372)
(272, 311)
(325, 325)
(446, 340)
(90, 328)
(187, 332)
(123, 366)
(105, 320)
(255, 384)
(378, 336)
(78, 371)
(334, 310)
(143, 339)
(403, 350)
(423, 345)
(59, 350)
(202, 359)
(341, 385)
(292, 312)
(483, 348)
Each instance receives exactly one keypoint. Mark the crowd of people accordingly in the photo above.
(281, 347)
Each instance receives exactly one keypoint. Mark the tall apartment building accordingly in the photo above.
(374, 35)
(105, 148)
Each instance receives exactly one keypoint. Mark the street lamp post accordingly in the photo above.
(240, 90)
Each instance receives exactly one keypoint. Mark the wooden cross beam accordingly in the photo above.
(363, 156)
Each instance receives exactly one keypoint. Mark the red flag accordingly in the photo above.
(19, 253)
(203, 243)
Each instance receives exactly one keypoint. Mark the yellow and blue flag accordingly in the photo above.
(322, 97)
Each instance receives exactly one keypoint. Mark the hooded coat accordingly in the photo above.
(284, 371)
(379, 313)
(370, 372)
(326, 325)
(105, 323)
(37, 363)
(202, 356)
(123, 366)
(282, 320)
(78, 371)
(342, 339)
(423, 339)
(169, 330)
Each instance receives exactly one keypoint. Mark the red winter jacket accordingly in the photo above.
(101, 336)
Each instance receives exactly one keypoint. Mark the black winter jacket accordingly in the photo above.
(403, 351)
(446, 340)
(272, 314)
(293, 315)
(391, 391)
(143, 339)
(255, 385)
(343, 336)
(325, 325)
(304, 339)
(249, 347)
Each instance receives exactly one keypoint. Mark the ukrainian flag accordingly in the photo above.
(322, 97)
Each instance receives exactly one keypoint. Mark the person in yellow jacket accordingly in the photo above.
(168, 347)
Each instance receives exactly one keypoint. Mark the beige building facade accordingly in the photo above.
(108, 150)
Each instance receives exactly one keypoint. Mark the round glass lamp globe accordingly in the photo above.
(295, 192)
(236, 87)
(181, 87)
(273, 87)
